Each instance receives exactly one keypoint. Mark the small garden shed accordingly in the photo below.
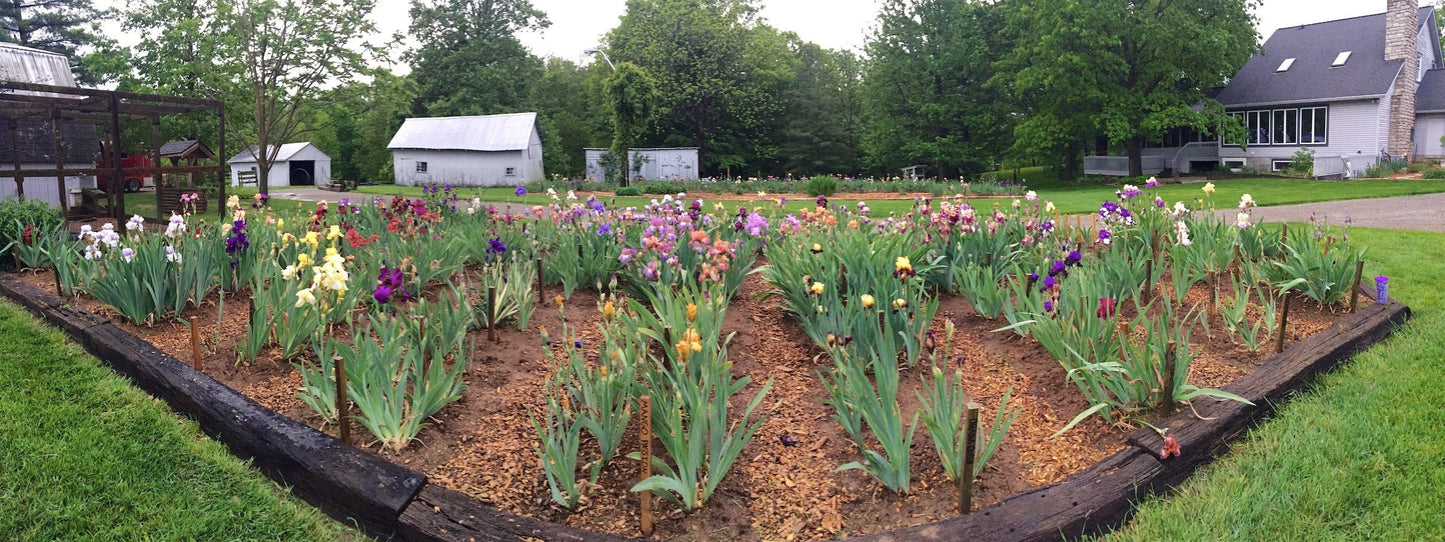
(297, 164)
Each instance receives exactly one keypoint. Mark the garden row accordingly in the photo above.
(392, 288)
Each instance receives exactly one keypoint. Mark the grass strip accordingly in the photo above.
(86, 456)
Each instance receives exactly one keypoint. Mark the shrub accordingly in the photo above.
(1419, 167)
(1303, 162)
(1435, 174)
(1384, 169)
(821, 185)
(15, 215)
(629, 191)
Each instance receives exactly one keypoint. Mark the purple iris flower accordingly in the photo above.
(521, 191)
(496, 246)
(1058, 268)
(1048, 306)
(604, 230)
(1074, 258)
(1048, 284)
(382, 294)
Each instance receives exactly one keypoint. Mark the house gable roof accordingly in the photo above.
(1430, 97)
(1311, 78)
(510, 132)
(288, 150)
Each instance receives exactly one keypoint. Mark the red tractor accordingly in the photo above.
(133, 181)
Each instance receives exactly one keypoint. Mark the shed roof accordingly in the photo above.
(19, 63)
(288, 150)
(185, 148)
(1311, 78)
(509, 132)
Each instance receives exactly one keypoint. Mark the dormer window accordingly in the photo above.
(1284, 66)
(1341, 59)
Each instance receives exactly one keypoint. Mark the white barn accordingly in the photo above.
(490, 150)
(80, 143)
(673, 164)
(297, 164)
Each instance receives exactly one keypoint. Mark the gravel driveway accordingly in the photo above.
(1424, 212)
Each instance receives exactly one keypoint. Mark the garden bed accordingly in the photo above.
(483, 445)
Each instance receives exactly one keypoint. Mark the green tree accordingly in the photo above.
(1141, 65)
(291, 51)
(60, 26)
(632, 97)
(468, 60)
(820, 133)
(355, 132)
(718, 73)
(925, 95)
(562, 98)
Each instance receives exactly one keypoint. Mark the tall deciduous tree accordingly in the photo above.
(58, 26)
(562, 98)
(1142, 64)
(820, 133)
(717, 70)
(632, 97)
(469, 61)
(293, 51)
(925, 94)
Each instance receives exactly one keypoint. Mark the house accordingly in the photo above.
(1348, 90)
(35, 141)
(489, 150)
(674, 164)
(297, 164)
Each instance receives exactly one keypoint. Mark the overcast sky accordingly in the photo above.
(836, 24)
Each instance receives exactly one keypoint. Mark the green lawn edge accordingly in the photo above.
(84, 455)
(1358, 457)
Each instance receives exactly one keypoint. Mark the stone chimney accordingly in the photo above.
(1402, 29)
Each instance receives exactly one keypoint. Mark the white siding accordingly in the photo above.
(279, 174)
(1428, 131)
(1356, 130)
(674, 164)
(1382, 133)
(533, 170)
(463, 168)
(1425, 48)
(44, 188)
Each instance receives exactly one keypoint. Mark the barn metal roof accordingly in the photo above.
(248, 156)
(510, 132)
(18, 63)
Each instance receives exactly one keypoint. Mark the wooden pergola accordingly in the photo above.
(29, 102)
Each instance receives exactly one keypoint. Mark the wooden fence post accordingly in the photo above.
(195, 343)
(969, 453)
(646, 496)
(343, 426)
(1283, 317)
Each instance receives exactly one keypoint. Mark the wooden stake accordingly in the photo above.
(1355, 286)
(1168, 378)
(1238, 261)
(882, 324)
(195, 343)
(1283, 317)
(1148, 279)
(540, 297)
(1283, 238)
(343, 407)
(61, 291)
(969, 456)
(843, 281)
(646, 496)
(492, 314)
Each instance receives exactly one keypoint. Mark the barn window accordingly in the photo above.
(511, 171)
(421, 167)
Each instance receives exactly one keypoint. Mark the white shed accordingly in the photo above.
(490, 150)
(671, 164)
(297, 164)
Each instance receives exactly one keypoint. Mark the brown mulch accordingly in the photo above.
(484, 444)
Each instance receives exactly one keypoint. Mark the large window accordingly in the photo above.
(1285, 127)
(1312, 127)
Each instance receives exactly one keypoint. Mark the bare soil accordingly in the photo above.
(484, 444)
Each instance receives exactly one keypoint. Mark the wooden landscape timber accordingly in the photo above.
(387, 500)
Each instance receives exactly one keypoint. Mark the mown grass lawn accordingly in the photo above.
(86, 456)
(1069, 199)
(1361, 457)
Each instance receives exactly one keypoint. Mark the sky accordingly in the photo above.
(835, 24)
